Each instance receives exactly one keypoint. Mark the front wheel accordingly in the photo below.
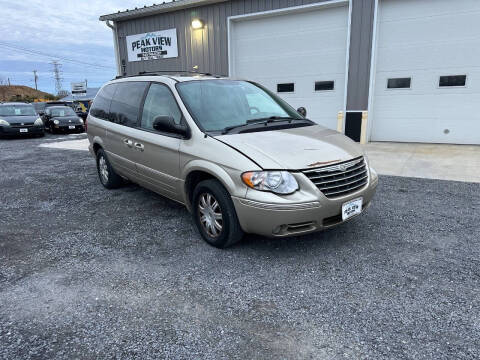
(215, 215)
(108, 177)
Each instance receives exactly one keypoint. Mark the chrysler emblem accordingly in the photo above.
(343, 167)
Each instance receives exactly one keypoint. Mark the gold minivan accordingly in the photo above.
(236, 155)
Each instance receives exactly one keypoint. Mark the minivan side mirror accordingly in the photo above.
(166, 124)
(302, 111)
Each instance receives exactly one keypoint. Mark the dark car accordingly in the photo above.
(39, 107)
(20, 119)
(62, 119)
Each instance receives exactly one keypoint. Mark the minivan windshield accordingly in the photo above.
(17, 110)
(219, 104)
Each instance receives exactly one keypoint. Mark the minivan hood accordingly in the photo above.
(294, 149)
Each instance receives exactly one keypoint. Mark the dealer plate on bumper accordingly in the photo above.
(352, 208)
(24, 130)
(71, 126)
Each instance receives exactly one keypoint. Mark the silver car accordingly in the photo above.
(237, 156)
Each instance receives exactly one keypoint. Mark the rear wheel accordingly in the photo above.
(108, 177)
(215, 215)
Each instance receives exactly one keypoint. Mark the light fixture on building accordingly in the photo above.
(197, 24)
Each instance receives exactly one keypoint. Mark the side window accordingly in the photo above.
(126, 103)
(101, 105)
(159, 101)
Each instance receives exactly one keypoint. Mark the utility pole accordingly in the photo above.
(86, 83)
(8, 81)
(35, 77)
(57, 75)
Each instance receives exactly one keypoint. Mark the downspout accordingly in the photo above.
(115, 45)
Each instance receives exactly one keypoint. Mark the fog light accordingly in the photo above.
(197, 24)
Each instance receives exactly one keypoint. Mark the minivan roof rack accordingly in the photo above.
(167, 72)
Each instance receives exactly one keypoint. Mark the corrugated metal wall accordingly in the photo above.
(360, 54)
(207, 48)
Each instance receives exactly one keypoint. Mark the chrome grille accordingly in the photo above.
(340, 179)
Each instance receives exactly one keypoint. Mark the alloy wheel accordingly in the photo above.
(210, 214)
(102, 166)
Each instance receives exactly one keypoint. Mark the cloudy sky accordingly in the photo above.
(67, 29)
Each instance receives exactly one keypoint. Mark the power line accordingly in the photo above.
(36, 52)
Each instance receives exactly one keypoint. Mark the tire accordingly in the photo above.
(218, 202)
(52, 130)
(108, 177)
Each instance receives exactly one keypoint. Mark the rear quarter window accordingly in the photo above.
(101, 104)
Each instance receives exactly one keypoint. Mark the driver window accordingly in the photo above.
(159, 101)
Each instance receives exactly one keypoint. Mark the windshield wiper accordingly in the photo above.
(270, 119)
(259, 121)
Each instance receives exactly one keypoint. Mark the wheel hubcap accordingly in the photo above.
(102, 165)
(210, 215)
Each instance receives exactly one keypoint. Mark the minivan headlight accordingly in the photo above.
(38, 122)
(4, 122)
(278, 182)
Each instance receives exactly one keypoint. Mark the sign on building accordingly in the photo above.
(153, 45)
(79, 88)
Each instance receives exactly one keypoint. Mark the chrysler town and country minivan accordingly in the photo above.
(236, 155)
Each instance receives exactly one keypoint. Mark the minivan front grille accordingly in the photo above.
(340, 179)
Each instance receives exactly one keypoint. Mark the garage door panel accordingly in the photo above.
(422, 56)
(424, 40)
(392, 10)
(298, 48)
(292, 64)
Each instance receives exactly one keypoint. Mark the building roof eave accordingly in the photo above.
(157, 9)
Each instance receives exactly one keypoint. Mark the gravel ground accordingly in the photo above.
(90, 273)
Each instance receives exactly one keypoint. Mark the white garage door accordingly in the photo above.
(427, 84)
(300, 56)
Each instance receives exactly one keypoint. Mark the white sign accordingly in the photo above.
(79, 88)
(153, 45)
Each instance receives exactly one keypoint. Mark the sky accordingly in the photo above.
(64, 28)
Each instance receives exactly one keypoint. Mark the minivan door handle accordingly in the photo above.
(128, 142)
(139, 146)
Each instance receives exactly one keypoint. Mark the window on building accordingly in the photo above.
(324, 85)
(399, 83)
(101, 105)
(452, 80)
(285, 87)
(159, 101)
(126, 103)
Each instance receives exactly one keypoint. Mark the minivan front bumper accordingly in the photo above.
(289, 219)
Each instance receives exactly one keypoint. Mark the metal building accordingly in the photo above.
(411, 65)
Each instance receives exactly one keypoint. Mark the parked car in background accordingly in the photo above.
(19, 119)
(39, 107)
(62, 119)
(239, 157)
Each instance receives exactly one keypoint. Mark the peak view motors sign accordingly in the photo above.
(153, 45)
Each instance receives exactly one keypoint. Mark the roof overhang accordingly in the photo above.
(157, 9)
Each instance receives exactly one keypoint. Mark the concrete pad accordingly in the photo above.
(429, 161)
(67, 145)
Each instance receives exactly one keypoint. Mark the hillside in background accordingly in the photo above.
(22, 93)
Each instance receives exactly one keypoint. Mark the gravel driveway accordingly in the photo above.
(90, 273)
